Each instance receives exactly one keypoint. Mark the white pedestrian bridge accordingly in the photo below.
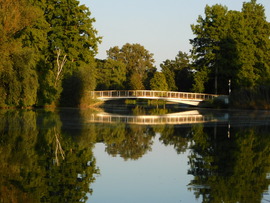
(178, 97)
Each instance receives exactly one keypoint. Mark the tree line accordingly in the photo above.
(49, 49)
(230, 53)
(231, 45)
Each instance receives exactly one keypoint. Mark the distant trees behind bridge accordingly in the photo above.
(132, 67)
(48, 55)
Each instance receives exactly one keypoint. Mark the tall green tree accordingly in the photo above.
(139, 63)
(158, 82)
(111, 74)
(18, 78)
(43, 43)
(231, 45)
(72, 45)
(136, 82)
(209, 31)
(178, 72)
(254, 48)
(168, 69)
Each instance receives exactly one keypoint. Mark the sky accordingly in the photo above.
(161, 26)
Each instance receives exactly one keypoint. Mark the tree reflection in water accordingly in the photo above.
(230, 169)
(129, 142)
(46, 156)
(29, 170)
(225, 168)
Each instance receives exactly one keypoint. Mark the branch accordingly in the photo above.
(60, 65)
(58, 148)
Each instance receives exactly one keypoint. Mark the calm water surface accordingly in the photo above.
(134, 155)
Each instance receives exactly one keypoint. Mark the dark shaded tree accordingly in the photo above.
(231, 45)
(178, 72)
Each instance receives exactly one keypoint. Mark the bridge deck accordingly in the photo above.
(180, 97)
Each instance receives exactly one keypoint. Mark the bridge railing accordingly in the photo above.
(151, 94)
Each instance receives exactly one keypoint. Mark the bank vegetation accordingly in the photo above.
(48, 57)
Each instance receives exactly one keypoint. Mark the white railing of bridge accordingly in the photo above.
(151, 94)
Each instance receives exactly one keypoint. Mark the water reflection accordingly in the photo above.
(47, 156)
(31, 169)
(230, 169)
(228, 159)
(179, 118)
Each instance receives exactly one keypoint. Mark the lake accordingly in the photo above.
(134, 154)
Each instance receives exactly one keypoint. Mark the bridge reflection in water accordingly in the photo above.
(187, 117)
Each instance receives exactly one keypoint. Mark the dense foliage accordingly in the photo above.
(46, 47)
(239, 175)
(158, 82)
(48, 51)
(47, 156)
(43, 159)
(129, 67)
(231, 45)
(178, 73)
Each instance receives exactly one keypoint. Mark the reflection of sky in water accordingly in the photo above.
(266, 195)
(159, 176)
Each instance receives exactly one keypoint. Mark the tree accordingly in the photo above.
(111, 74)
(18, 79)
(209, 31)
(254, 46)
(158, 82)
(231, 45)
(136, 82)
(139, 62)
(32, 35)
(178, 72)
(72, 32)
(168, 69)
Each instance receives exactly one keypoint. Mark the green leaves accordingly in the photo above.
(31, 35)
(138, 61)
(232, 45)
(179, 76)
(71, 31)
(158, 82)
